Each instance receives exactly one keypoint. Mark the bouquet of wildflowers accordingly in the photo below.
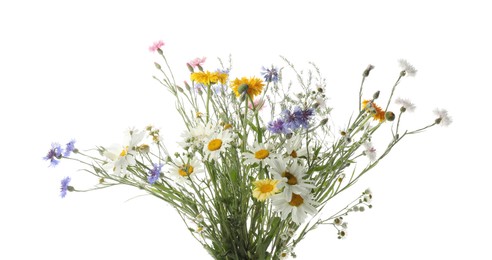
(258, 159)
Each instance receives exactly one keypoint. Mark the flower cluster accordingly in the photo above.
(244, 175)
(289, 122)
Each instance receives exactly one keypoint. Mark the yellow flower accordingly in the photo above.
(265, 189)
(208, 78)
(378, 113)
(255, 86)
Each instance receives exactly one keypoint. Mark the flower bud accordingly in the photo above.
(376, 95)
(199, 67)
(157, 65)
(180, 89)
(190, 68)
(187, 86)
(367, 70)
(242, 88)
(324, 121)
(390, 116)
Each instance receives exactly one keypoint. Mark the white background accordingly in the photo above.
(83, 70)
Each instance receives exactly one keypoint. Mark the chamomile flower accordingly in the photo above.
(299, 206)
(216, 144)
(123, 156)
(259, 153)
(293, 147)
(182, 172)
(291, 178)
(196, 136)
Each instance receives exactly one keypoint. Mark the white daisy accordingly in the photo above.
(370, 151)
(406, 105)
(298, 205)
(293, 147)
(291, 178)
(216, 144)
(407, 68)
(182, 172)
(442, 117)
(122, 156)
(196, 136)
(258, 153)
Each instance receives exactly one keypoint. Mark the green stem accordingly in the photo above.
(392, 92)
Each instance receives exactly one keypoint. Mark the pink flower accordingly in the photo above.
(197, 62)
(156, 46)
(258, 104)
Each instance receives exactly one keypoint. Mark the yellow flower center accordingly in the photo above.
(291, 179)
(293, 154)
(262, 154)
(227, 126)
(124, 152)
(265, 188)
(296, 200)
(214, 145)
(185, 170)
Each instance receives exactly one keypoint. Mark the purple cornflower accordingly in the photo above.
(54, 154)
(155, 173)
(302, 117)
(278, 127)
(69, 148)
(291, 121)
(270, 75)
(65, 187)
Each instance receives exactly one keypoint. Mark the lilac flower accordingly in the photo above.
(65, 187)
(442, 117)
(370, 151)
(54, 154)
(278, 127)
(270, 75)
(155, 173)
(69, 148)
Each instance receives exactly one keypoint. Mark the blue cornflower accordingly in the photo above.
(290, 120)
(70, 147)
(155, 173)
(302, 117)
(65, 187)
(278, 127)
(54, 154)
(270, 75)
(223, 71)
